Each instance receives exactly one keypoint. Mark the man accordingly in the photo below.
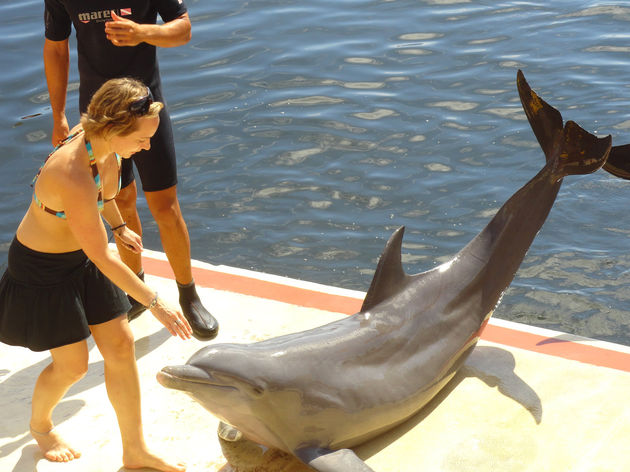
(118, 38)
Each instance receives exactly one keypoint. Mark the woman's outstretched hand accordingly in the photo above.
(172, 318)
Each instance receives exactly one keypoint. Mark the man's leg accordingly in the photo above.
(165, 209)
(157, 170)
(126, 201)
(115, 342)
(69, 364)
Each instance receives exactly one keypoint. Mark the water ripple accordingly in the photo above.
(307, 131)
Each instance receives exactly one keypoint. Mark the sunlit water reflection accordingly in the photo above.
(308, 131)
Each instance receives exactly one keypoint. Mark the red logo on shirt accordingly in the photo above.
(102, 15)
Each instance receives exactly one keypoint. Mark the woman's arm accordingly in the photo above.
(79, 197)
(128, 237)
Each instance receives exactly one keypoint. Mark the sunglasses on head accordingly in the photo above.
(141, 106)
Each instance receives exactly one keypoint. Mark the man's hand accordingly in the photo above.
(61, 130)
(123, 32)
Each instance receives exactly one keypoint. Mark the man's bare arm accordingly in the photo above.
(123, 32)
(56, 66)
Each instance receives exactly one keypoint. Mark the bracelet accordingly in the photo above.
(153, 302)
(119, 226)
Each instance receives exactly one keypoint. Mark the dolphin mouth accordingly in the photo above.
(180, 377)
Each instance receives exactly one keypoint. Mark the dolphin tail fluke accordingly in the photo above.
(580, 152)
(544, 119)
(618, 163)
(569, 149)
(325, 460)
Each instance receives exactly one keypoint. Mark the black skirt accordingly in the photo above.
(50, 300)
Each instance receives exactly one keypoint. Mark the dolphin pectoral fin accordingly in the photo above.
(389, 275)
(325, 460)
(618, 163)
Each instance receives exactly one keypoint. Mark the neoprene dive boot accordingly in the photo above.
(204, 326)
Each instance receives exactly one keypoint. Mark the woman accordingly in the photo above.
(63, 282)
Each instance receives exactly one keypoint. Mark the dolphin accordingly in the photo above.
(319, 392)
(618, 162)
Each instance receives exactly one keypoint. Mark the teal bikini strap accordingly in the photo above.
(38, 202)
(61, 143)
(95, 174)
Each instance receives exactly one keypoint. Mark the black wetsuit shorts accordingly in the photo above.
(156, 167)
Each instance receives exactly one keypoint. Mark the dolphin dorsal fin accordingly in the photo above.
(389, 276)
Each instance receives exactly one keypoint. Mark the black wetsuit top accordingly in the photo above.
(100, 60)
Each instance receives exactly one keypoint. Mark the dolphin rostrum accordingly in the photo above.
(318, 392)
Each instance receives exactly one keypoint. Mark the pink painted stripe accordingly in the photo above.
(260, 288)
(348, 305)
(558, 347)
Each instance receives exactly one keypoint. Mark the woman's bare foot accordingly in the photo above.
(54, 448)
(146, 459)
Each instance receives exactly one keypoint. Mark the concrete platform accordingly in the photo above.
(526, 400)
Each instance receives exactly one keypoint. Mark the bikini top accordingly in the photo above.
(95, 174)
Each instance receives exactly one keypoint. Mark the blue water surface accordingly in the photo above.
(308, 131)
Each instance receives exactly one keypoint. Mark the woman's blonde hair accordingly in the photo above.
(111, 110)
